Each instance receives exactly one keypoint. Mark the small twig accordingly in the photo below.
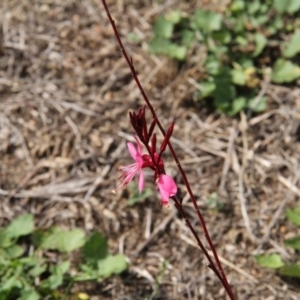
(226, 166)
(243, 128)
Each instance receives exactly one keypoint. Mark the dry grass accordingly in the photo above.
(65, 94)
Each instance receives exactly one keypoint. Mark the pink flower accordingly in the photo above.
(130, 171)
(167, 188)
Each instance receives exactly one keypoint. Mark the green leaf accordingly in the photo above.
(14, 251)
(285, 71)
(187, 37)
(280, 5)
(260, 107)
(293, 243)
(223, 36)
(37, 270)
(12, 279)
(54, 281)
(163, 46)
(163, 28)
(254, 7)
(95, 248)
(238, 5)
(224, 92)
(208, 21)
(293, 47)
(293, 215)
(290, 6)
(212, 66)
(88, 273)
(5, 240)
(292, 270)
(238, 76)
(238, 104)
(63, 267)
(112, 265)
(23, 225)
(64, 241)
(261, 42)
(241, 40)
(293, 6)
(272, 261)
(29, 295)
(174, 16)
(206, 88)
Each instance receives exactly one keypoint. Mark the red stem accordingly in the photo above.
(219, 269)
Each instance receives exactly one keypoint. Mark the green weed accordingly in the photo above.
(27, 274)
(250, 42)
(274, 260)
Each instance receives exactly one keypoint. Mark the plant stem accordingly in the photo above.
(218, 270)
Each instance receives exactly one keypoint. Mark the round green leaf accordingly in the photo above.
(95, 248)
(285, 71)
(293, 243)
(290, 270)
(293, 215)
(293, 47)
(20, 226)
(272, 261)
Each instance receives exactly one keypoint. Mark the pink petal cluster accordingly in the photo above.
(166, 185)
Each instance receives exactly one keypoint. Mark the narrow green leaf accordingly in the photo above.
(20, 226)
(293, 243)
(292, 270)
(293, 47)
(285, 71)
(293, 215)
(272, 261)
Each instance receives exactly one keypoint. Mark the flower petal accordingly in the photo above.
(141, 181)
(167, 188)
(132, 150)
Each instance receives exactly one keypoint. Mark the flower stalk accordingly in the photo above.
(166, 185)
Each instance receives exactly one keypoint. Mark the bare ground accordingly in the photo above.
(65, 96)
